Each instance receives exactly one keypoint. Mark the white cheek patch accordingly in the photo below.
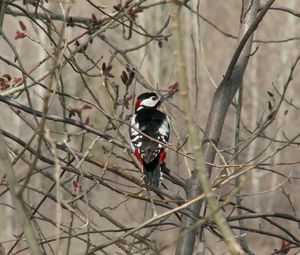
(149, 102)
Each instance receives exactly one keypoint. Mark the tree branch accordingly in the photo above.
(6, 166)
(220, 104)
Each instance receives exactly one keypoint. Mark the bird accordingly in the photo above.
(147, 121)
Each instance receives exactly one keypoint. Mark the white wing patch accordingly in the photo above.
(134, 124)
(164, 130)
(139, 144)
(136, 138)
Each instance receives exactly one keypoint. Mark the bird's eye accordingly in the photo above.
(154, 98)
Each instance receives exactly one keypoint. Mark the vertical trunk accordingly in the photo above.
(286, 55)
(255, 174)
(219, 107)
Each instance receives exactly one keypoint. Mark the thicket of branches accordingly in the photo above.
(69, 75)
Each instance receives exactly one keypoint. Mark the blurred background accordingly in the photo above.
(88, 90)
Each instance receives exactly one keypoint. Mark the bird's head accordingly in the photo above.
(147, 100)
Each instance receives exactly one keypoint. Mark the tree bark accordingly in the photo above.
(219, 107)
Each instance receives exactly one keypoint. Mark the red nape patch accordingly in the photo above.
(138, 156)
(162, 156)
(137, 103)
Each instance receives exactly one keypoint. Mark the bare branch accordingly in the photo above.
(7, 168)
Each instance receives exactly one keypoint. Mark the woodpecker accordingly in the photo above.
(155, 124)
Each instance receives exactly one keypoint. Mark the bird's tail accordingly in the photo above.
(152, 175)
